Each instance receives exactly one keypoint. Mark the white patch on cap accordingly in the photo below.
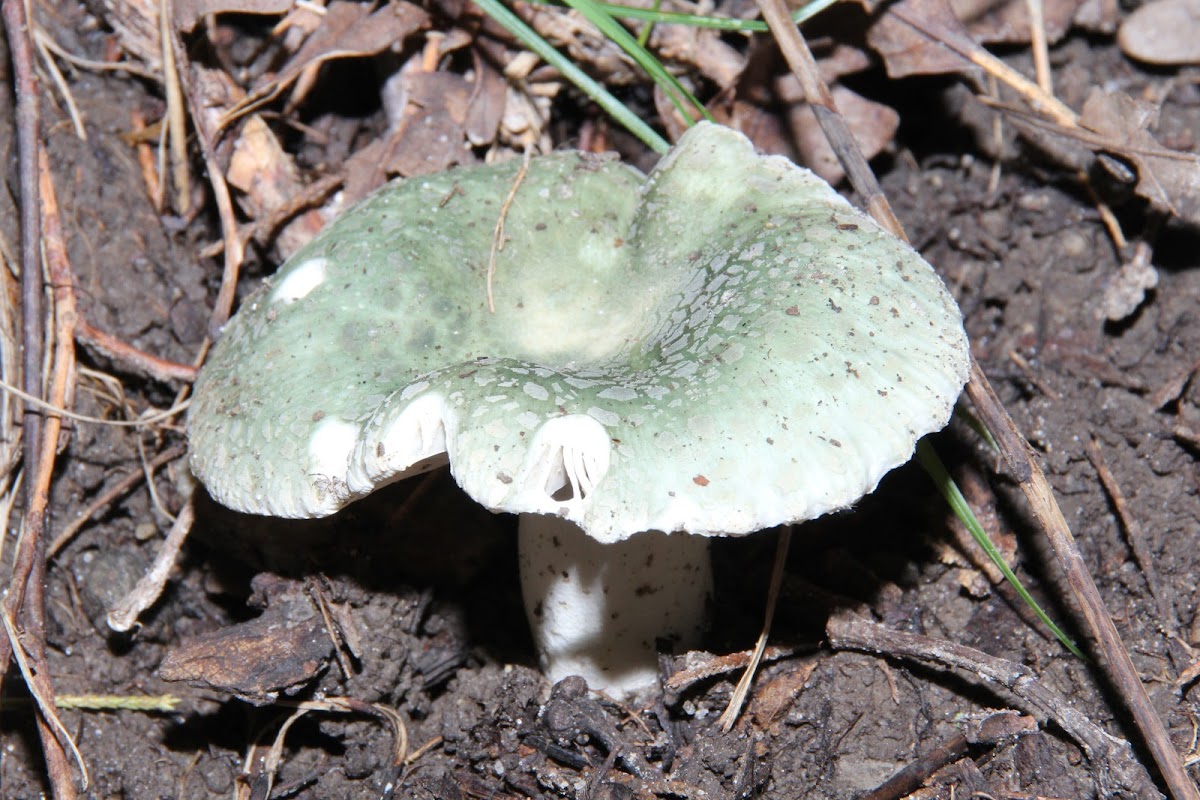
(618, 393)
(300, 281)
(604, 416)
(537, 391)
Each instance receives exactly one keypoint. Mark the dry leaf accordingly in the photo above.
(432, 135)
(429, 135)
(188, 12)
(1168, 179)
(364, 173)
(1098, 16)
(212, 92)
(764, 127)
(267, 178)
(352, 30)
(872, 124)
(840, 59)
(135, 23)
(485, 108)
(279, 651)
(1008, 22)
(349, 30)
(776, 696)
(526, 118)
(672, 119)
(569, 30)
(1113, 135)
(701, 49)
(906, 51)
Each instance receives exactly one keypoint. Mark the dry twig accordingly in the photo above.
(1040, 496)
(25, 600)
(960, 43)
(26, 594)
(149, 588)
(841, 140)
(139, 361)
(742, 690)
(719, 665)
(1116, 767)
(234, 248)
(1133, 534)
(116, 490)
(1037, 43)
(400, 755)
(997, 729)
(176, 115)
(46, 703)
(498, 233)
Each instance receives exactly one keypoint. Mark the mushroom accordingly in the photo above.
(722, 346)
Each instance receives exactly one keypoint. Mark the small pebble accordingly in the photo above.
(1074, 244)
(1163, 32)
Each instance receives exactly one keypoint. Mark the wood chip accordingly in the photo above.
(281, 650)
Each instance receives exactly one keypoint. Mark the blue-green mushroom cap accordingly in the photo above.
(718, 347)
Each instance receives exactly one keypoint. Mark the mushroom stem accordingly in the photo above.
(597, 610)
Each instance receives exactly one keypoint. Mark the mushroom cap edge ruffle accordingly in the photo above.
(719, 347)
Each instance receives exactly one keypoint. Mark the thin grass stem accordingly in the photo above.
(733, 24)
(678, 94)
(596, 92)
(962, 509)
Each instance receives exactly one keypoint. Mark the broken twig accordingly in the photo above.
(1116, 767)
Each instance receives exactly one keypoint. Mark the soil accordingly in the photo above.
(422, 582)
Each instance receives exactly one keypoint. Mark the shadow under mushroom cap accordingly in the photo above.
(722, 346)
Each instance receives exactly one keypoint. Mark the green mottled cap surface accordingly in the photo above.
(719, 347)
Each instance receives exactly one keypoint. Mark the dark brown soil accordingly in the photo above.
(428, 584)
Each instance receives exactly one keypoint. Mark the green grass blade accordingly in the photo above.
(602, 15)
(954, 497)
(608, 26)
(601, 96)
(977, 425)
(699, 20)
(643, 38)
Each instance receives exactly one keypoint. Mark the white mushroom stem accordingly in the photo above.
(596, 610)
